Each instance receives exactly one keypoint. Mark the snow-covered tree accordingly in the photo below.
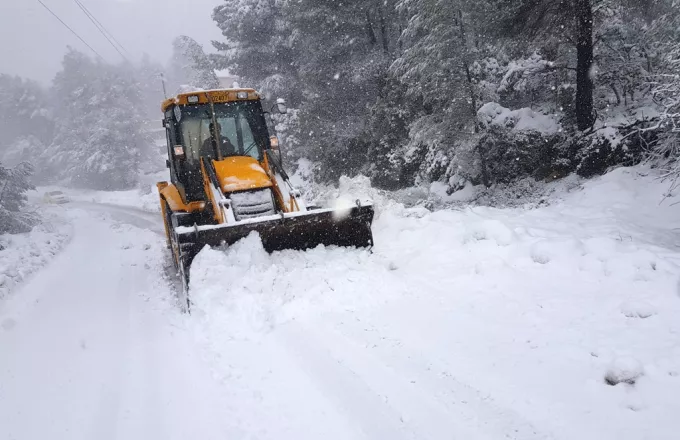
(149, 77)
(389, 121)
(99, 125)
(665, 84)
(190, 66)
(14, 182)
(392, 88)
(24, 110)
(347, 49)
(22, 149)
(328, 59)
(258, 47)
(569, 21)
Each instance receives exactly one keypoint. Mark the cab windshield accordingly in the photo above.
(241, 126)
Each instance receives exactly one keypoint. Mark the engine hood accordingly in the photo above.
(239, 173)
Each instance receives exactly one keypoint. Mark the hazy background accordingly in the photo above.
(34, 42)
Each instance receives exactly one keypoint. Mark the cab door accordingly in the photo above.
(184, 175)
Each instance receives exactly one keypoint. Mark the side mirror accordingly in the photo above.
(167, 163)
(164, 122)
(281, 106)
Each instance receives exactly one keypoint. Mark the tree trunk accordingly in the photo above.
(585, 117)
(616, 92)
(401, 43)
(484, 171)
(468, 74)
(383, 31)
(369, 29)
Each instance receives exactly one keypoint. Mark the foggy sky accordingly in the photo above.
(32, 42)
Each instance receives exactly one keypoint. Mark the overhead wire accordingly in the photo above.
(100, 27)
(72, 31)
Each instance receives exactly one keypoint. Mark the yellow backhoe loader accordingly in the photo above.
(227, 180)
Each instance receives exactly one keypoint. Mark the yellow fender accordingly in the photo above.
(170, 194)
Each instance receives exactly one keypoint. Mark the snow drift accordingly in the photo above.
(523, 311)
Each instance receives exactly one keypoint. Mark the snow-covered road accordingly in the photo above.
(472, 324)
(89, 348)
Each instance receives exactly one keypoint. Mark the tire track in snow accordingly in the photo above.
(398, 395)
(94, 352)
(347, 387)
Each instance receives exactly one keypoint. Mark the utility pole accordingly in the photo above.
(165, 93)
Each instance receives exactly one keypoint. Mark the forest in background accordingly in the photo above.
(406, 92)
(483, 91)
(91, 127)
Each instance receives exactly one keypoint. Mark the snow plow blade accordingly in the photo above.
(303, 230)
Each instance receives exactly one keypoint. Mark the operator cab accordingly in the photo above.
(190, 133)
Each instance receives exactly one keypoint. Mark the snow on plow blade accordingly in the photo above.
(299, 230)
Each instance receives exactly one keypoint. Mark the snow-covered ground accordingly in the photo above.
(92, 348)
(554, 323)
(21, 255)
(144, 197)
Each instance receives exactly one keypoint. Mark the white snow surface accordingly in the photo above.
(476, 323)
(522, 119)
(21, 255)
(145, 199)
(624, 369)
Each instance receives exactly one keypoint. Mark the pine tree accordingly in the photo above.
(392, 88)
(572, 21)
(149, 77)
(190, 65)
(259, 47)
(22, 149)
(99, 125)
(14, 182)
(665, 85)
(24, 110)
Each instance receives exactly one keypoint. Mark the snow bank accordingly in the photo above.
(246, 291)
(638, 309)
(348, 191)
(624, 370)
(439, 191)
(21, 255)
(520, 311)
(522, 119)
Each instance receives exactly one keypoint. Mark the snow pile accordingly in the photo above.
(439, 191)
(23, 254)
(523, 119)
(351, 189)
(611, 134)
(518, 76)
(624, 369)
(519, 313)
(638, 309)
(246, 291)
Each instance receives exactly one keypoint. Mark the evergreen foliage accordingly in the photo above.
(392, 89)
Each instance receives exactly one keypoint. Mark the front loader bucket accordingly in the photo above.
(298, 230)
